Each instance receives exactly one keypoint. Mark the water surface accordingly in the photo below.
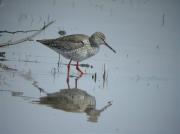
(134, 91)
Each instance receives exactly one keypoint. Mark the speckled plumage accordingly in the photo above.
(77, 47)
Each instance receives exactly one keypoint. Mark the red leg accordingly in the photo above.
(68, 69)
(77, 67)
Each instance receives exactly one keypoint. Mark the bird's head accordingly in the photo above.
(98, 38)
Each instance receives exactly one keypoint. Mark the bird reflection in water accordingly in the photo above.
(74, 100)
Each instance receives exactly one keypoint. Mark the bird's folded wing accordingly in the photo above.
(70, 42)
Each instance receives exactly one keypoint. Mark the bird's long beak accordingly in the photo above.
(109, 47)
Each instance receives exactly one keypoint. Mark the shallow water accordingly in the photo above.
(135, 90)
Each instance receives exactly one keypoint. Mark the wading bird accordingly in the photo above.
(77, 47)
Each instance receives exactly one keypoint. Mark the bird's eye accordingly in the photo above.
(102, 36)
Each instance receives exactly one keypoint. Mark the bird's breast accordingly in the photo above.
(80, 54)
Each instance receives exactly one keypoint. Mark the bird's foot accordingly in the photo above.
(77, 68)
(81, 72)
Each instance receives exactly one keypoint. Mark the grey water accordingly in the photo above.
(135, 91)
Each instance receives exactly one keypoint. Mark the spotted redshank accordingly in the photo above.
(77, 47)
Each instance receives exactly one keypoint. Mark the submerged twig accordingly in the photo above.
(2, 54)
(62, 32)
(29, 38)
(59, 62)
(83, 65)
(163, 19)
(94, 77)
(5, 67)
(36, 61)
(104, 75)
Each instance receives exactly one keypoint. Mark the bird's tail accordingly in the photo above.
(47, 42)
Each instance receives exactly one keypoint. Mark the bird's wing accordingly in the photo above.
(70, 42)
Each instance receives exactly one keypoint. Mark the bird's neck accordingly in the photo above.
(93, 42)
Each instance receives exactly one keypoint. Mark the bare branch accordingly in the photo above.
(29, 38)
(20, 31)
